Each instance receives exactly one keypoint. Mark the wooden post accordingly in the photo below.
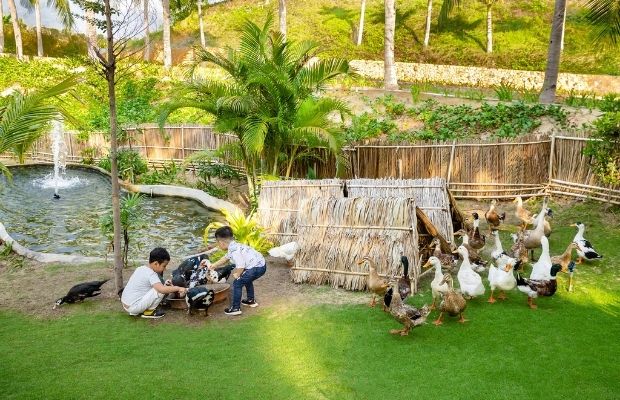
(182, 142)
(146, 149)
(551, 157)
(449, 174)
(400, 168)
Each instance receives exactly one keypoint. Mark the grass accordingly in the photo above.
(567, 348)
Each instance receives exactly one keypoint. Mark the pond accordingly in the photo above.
(70, 225)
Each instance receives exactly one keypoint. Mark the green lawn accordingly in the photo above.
(566, 349)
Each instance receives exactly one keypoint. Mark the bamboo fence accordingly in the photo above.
(473, 169)
(334, 234)
(280, 201)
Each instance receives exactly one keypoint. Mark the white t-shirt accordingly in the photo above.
(244, 256)
(139, 284)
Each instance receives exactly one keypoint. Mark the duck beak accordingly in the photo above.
(428, 264)
(455, 252)
(573, 224)
(508, 267)
(360, 262)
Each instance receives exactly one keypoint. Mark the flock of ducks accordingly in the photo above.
(505, 272)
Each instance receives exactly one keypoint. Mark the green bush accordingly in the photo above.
(605, 152)
(166, 176)
(130, 165)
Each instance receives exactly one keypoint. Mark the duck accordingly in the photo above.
(407, 315)
(538, 287)
(474, 257)
(565, 259)
(499, 249)
(493, 218)
(438, 287)
(376, 284)
(532, 238)
(547, 225)
(453, 302)
(585, 249)
(521, 213)
(501, 277)
(476, 240)
(286, 251)
(80, 292)
(542, 267)
(404, 284)
(518, 249)
(469, 281)
(447, 260)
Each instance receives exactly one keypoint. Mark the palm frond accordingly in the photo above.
(447, 7)
(604, 15)
(63, 9)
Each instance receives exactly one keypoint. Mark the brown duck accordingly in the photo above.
(407, 315)
(376, 284)
(493, 218)
(453, 302)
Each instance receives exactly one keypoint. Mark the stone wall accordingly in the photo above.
(455, 75)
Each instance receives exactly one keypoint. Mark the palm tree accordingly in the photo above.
(489, 5)
(360, 30)
(1, 29)
(62, 9)
(91, 34)
(268, 99)
(166, 28)
(389, 75)
(17, 33)
(427, 30)
(25, 117)
(547, 95)
(605, 16)
(203, 42)
(282, 17)
(147, 30)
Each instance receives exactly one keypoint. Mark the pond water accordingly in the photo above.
(70, 225)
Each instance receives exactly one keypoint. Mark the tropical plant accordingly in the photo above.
(282, 17)
(246, 230)
(605, 152)
(389, 67)
(166, 176)
(605, 16)
(504, 92)
(268, 98)
(17, 32)
(131, 218)
(24, 117)
(130, 165)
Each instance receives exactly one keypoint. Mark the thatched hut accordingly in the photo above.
(279, 203)
(334, 234)
(437, 213)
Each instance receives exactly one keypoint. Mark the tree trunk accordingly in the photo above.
(563, 27)
(203, 42)
(547, 95)
(360, 30)
(147, 31)
(110, 72)
(1, 29)
(91, 34)
(282, 15)
(167, 44)
(16, 30)
(37, 22)
(389, 75)
(429, 14)
(489, 28)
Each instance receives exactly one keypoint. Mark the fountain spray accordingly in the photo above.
(59, 151)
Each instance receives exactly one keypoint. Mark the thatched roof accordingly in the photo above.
(279, 203)
(334, 234)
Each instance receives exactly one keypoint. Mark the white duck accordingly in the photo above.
(437, 287)
(469, 280)
(502, 277)
(541, 270)
(286, 251)
(498, 250)
(584, 247)
(547, 225)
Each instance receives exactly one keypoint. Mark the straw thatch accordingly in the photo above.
(334, 234)
(279, 203)
(431, 197)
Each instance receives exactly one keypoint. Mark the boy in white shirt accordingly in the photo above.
(249, 266)
(144, 290)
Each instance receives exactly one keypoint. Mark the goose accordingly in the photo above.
(437, 287)
(493, 218)
(585, 249)
(80, 292)
(469, 281)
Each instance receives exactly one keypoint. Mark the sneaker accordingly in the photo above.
(249, 303)
(232, 311)
(153, 314)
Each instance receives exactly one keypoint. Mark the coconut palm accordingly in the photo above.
(203, 42)
(24, 117)
(427, 30)
(269, 98)
(61, 7)
(17, 33)
(147, 30)
(360, 30)
(389, 75)
(1, 29)
(554, 52)
(605, 16)
(166, 28)
(282, 17)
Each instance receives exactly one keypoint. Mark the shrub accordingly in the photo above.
(246, 229)
(130, 165)
(167, 175)
(605, 153)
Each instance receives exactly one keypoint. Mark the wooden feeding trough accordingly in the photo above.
(222, 291)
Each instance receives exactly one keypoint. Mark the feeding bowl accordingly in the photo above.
(222, 290)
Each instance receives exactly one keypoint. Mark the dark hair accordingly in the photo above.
(224, 232)
(159, 254)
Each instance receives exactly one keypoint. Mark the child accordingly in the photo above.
(144, 291)
(250, 265)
